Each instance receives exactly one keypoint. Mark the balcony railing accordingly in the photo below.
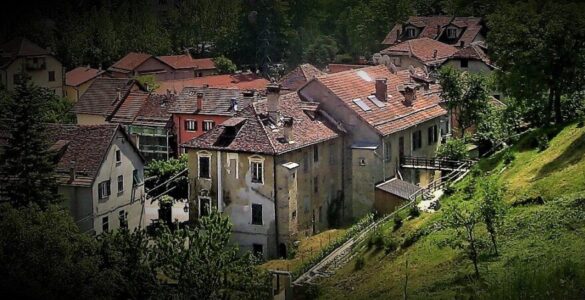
(430, 163)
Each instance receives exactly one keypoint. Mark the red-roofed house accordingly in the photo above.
(275, 169)
(242, 81)
(422, 53)
(169, 67)
(21, 55)
(78, 80)
(388, 116)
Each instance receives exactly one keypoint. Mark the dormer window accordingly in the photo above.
(452, 33)
(409, 32)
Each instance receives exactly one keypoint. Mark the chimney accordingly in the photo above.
(435, 53)
(273, 95)
(234, 104)
(288, 129)
(119, 92)
(199, 101)
(72, 171)
(381, 89)
(409, 95)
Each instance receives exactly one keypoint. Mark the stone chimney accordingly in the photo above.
(409, 95)
(72, 171)
(273, 95)
(381, 89)
(199, 101)
(288, 129)
(435, 53)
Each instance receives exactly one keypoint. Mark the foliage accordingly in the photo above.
(466, 95)
(494, 127)
(508, 157)
(414, 211)
(491, 208)
(542, 141)
(539, 70)
(397, 222)
(390, 244)
(224, 65)
(321, 52)
(163, 171)
(149, 81)
(26, 162)
(360, 262)
(376, 239)
(453, 149)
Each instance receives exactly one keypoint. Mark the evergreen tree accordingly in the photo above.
(27, 165)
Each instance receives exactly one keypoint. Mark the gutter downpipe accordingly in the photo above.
(277, 239)
(219, 186)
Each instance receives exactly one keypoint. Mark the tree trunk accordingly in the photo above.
(558, 111)
(493, 236)
(473, 253)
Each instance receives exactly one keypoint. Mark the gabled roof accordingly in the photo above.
(427, 50)
(81, 75)
(400, 188)
(336, 68)
(248, 81)
(101, 96)
(182, 61)
(216, 101)
(83, 146)
(433, 26)
(155, 110)
(299, 76)
(126, 112)
(204, 63)
(395, 115)
(19, 47)
(129, 62)
(253, 132)
(474, 51)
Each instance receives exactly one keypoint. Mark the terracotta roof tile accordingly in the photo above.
(395, 115)
(101, 96)
(473, 52)
(204, 63)
(423, 49)
(216, 101)
(81, 75)
(299, 76)
(129, 108)
(336, 68)
(155, 110)
(258, 134)
(239, 81)
(19, 47)
(130, 62)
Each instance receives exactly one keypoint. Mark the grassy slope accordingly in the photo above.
(533, 238)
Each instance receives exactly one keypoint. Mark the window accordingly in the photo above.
(51, 75)
(256, 214)
(257, 167)
(191, 125)
(135, 178)
(387, 150)
(105, 224)
(316, 153)
(204, 206)
(208, 125)
(120, 183)
(451, 33)
(123, 216)
(464, 63)
(258, 250)
(294, 214)
(362, 161)
(104, 189)
(409, 32)
(416, 140)
(118, 156)
(432, 134)
(204, 162)
(316, 184)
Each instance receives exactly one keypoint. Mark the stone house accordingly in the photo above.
(78, 80)
(388, 116)
(424, 53)
(300, 75)
(275, 169)
(21, 55)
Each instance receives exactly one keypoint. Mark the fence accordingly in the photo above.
(431, 163)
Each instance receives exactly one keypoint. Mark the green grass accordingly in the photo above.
(542, 247)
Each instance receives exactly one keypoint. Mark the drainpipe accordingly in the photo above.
(383, 160)
(343, 193)
(275, 204)
(167, 133)
(219, 186)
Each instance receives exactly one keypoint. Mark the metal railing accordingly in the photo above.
(440, 183)
(431, 163)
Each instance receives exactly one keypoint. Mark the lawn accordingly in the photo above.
(541, 245)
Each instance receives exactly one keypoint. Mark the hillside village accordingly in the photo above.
(418, 168)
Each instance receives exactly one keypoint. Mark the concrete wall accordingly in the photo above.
(78, 200)
(38, 77)
(85, 119)
(386, 203)
(130, 199)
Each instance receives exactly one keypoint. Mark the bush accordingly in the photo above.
(390, 245)
(224, 65)
(542, 141)
(508, 157)
(376, 239)
(359, 263)
(538, 200)
(453, 149)
(449, 190)
(414, 211)
(397, 222)
(312, 292)
(436, 205)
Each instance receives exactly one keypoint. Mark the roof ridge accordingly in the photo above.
(257, 117)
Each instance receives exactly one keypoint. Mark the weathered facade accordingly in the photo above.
(78, 80)
(275, 169)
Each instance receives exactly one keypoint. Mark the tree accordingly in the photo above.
(166, 177)
(322, 51)
(464, 220)
(540, 60)
(491, 208)
(148, 81)
(466, 95)
(205, 265)
(26, 162)
(224, 65)
(453, 149)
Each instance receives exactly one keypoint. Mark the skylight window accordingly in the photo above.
(364, 75)
(376, 101)
(361, 104)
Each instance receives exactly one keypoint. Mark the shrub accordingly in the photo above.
(411, 238)
(376, 239)
(397, 222)
(453, 149)
(538, 200)
(436, 205)
(414, 211)
(449, 190)
(390, 245)
(359, 263)
(508, 157)
(542, 141)
(312, 292)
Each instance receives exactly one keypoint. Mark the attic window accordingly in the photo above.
(361, 104)
(451, 33)
(409, 32)
(364, 75)
(376, 101)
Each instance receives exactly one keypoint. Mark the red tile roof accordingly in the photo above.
(258, 134)
(474, 51)
(423, 49)
(19, 47)
(81, 75)
(204, 63)
(299, 76)
(130, 62)
(336, 68)
(183, 61)
(239, 81)
(396, 115)
(155, 111)
(216, 101)
(126, 112)
(101, 98)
